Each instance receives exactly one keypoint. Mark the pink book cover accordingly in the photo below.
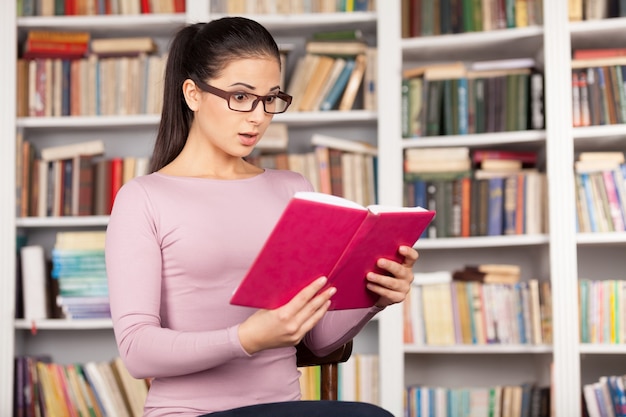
(335, 238)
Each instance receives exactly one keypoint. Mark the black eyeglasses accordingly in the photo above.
(247, 102)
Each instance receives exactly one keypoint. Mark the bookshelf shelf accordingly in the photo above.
(52, 324)
(121, 24)
(148, 120)
(81, 122)
(478, 349)
(312, 21)
(482, 242)
(55, 222)
(595, 132)
(471, 43)
(602, 349)
(597, 27)
(611, 238)
(484, 139)
(330, 117)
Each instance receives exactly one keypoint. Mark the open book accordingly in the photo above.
(324, 235)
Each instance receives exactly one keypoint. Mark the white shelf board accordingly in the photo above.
(478, 349)
(597, 26)
(482, 139)
(603, 131)
(611, 238)
(326, 117)
(62, 221)
(299, 21)
(457, 40)
(81, 122)
(62, 324)
(157, 22)
(291, 118)
(482, 242)
(602, 349)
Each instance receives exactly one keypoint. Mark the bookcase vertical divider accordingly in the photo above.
(390, 191)
(8, 42)
(563, 265)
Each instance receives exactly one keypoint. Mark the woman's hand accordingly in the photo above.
(393, 289)
(286, 325)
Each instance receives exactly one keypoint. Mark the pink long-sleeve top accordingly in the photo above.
(176, 248)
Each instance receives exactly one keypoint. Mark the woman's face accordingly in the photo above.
(233, 133)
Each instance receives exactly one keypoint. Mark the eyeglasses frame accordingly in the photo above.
(226, 95)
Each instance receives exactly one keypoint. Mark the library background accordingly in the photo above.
(506, 117)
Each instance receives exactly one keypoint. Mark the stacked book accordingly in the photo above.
(79, 267)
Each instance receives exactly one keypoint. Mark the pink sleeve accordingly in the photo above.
(133, 262)
(336, 328)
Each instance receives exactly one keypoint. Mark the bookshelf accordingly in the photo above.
(95, 337)
(560, 255)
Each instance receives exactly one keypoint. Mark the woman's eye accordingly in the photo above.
(241, 96)
(270, 99)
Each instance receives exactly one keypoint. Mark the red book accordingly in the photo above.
(47, 49)
(70, 7)
(117, 179)
(179, 6)
(324, 235)
(528, 158)
(83, 185)
(145, 7)
(598, 53)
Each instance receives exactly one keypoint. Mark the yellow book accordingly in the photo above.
(316, 82)
(354, 83)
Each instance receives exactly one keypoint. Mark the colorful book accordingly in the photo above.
(347, 240)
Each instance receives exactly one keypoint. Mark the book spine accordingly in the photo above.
(34, 278)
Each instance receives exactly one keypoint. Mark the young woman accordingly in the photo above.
(180, 239)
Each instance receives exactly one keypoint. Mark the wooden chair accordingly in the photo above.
(329, 366)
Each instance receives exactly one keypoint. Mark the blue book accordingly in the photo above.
(495, 207)
(519, 310)
(333, 96)
(586, 183)
(463, 105)
(65, 87)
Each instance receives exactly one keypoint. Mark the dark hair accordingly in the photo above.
(201, 51)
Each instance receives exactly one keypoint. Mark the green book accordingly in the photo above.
(339, 35)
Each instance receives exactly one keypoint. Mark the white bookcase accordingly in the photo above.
(559, 255)
(81, 341)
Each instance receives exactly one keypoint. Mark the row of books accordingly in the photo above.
(460, 99)
(334, 75)
(598, 96)
(485, 192)
(526, 400)
(440, 17)
(595, 9)
(71, 180)
(335, 166)
(467, 207)
(606, 397)
(97, 7)
(600, 179)
(602, 311)
(92, 86)
(454, 309)
(357, 380)
(43, 387)
(290, 7)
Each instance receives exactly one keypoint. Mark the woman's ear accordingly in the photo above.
(191, 94)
